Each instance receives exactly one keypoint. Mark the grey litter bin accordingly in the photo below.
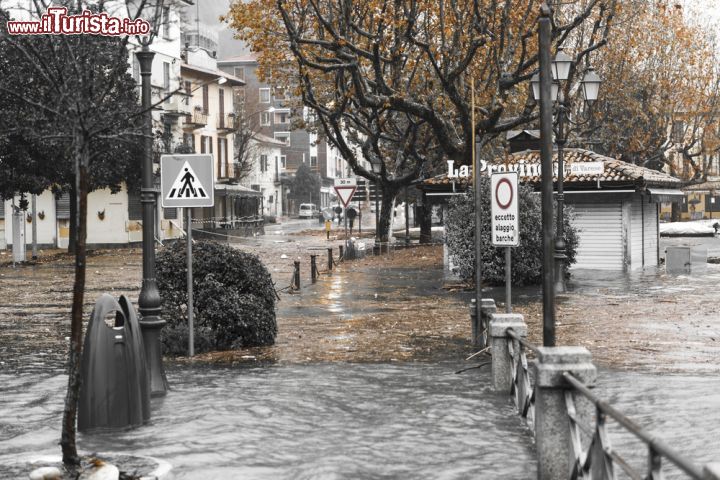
(115, 388)
(685, 259)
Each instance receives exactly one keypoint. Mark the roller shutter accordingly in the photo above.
(600, 235)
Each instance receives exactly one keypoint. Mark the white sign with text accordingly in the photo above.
(504, 210)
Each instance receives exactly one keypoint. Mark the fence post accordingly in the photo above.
(552, 427)
(501, 360)
(297, 275)
(330, 259)
(313, 268)
(487, 308)
(711, 471)
(341, 252)
(474, 322)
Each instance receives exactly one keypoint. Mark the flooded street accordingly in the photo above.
(361, 382)
(322, 421)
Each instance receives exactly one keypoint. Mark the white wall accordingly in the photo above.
(46, 229)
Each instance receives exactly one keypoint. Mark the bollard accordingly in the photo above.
(341, 252)
(313, 269)
(330, 259)
(487, 308)
(297, 275)
(552, 428)
(502, 366)
(474, 322)
(711, 471)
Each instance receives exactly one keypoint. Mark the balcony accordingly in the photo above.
(226, 123)
(196, 119)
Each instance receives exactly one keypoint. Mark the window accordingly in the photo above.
(221, 109)
(264, 119)
(166, 76)
(313, 161)
(222, 158)
(189, 141)
(188, 91)
(282, 118)
(206, 99)
(264, 95)
(283, 161)
(165, 23)
(270, 199)
(283, 137)
(136, 69)
(239, 99)
(678, 131)
(279, 93)
(263, 163)
(239, 72)
(134, 206)
(170, 213)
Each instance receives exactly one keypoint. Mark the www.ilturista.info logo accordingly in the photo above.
(57, 21)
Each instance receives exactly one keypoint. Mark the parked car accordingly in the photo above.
(308, 210)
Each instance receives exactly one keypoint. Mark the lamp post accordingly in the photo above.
(590, 83)
(376, 168)
(149, 300)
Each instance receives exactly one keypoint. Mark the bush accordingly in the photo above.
(234, 298)
(527, 259)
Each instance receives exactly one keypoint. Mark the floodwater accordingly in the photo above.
(321, 421)
(371, 417)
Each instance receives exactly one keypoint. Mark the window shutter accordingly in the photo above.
(134, 206)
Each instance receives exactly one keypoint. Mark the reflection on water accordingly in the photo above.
(313, 421)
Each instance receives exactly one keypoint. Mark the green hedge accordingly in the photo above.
(526, 259)
(234, 298)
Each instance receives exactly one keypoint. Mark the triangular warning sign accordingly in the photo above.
(345, 193)
(186, 185)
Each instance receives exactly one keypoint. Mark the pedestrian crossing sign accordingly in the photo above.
(186, 180)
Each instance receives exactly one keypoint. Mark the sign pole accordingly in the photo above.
(508, 278)
(191, 333)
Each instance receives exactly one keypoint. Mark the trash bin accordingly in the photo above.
(350, 249)
(685, 260)
(115, 389)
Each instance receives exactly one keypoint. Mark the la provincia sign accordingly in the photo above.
(345, 189)
(526, 169)
(504, 210)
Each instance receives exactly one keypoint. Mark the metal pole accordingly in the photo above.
(547, 177)
(330, 259)
(407, 219)
(377, 211)
(313, 268)
(297, 275)
(560, 256)
(508, 280)
(190, 306)
(34, 227)
(149, 300)
(478, 206)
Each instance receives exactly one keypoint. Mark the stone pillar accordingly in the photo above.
(552, 426)
(711, 471)
(501, 359)
(487, 308)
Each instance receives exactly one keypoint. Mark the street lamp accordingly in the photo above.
(590, 86)
(149, 300)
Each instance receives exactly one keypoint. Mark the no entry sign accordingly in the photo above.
(504, 211)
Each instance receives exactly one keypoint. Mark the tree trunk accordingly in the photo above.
(387, 202)
(72, 238)
(67, 441)
(425, 214)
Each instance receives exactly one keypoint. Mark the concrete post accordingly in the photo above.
(501, 359)
(552, 427)
(712, 471)
(487, 308)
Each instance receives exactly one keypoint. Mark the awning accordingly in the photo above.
(234, 190)
(664, 195)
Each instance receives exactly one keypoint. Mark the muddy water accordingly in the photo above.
(298, 422)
